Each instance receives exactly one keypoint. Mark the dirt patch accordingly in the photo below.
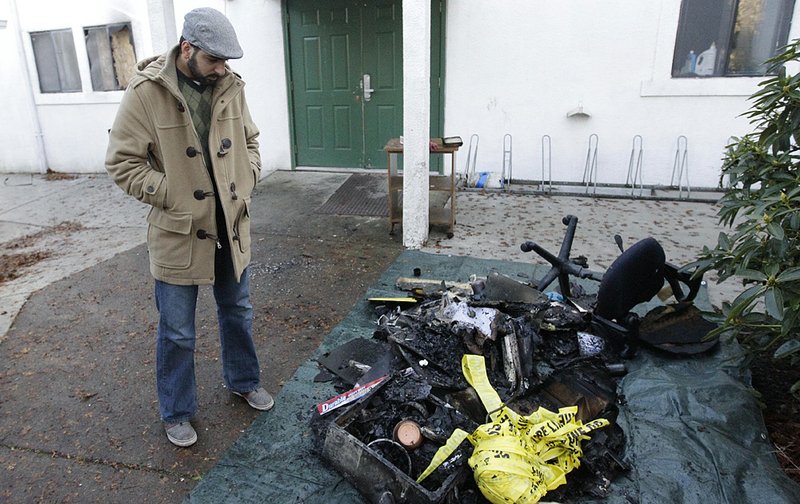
(54, 175)
(13, 265)
(30, 240)
(772, 380)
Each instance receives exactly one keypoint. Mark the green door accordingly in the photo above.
(335, 48)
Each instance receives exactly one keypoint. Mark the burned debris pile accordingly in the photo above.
(491, 355)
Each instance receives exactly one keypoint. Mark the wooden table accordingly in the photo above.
(437, 183)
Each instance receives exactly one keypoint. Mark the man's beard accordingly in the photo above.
(205, 80)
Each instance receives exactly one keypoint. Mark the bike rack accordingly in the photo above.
(633, 186)
(635, 166)
(590, 170)
(472, 156)
(505, 182)
(681, 166)
(547, 151)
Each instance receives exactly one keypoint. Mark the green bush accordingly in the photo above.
(763, 203)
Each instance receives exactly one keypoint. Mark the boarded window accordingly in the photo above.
(729, 37)
(112, 58)
(56, 61)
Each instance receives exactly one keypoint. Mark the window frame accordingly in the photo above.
(109, 29)
(86, 95)
(59, 61)
(725, 36)
(660, 82)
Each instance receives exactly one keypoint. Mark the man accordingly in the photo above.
(184, 143)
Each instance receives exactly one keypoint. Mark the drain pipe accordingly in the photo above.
(37, 126)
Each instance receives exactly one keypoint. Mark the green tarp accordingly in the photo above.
(694, 430)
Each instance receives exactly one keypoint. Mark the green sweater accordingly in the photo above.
(198, 98)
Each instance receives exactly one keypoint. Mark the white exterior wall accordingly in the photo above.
(19, 149)
(518, 67)
(75, 125)
(259, 26)
(512, 66)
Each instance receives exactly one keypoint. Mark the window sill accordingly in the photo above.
(93, 97)
(701, 86)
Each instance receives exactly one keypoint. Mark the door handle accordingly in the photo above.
(366, 86)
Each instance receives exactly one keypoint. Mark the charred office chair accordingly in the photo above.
(636, 276)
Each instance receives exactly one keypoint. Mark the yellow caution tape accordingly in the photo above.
(517, 459)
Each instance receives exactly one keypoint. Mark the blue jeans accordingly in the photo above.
(175, 378)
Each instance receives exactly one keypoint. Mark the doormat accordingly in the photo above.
(360, 194)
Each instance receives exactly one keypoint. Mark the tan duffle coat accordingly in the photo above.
(155, 155)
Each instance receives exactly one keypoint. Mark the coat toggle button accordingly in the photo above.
(224, 146)
(201, 195)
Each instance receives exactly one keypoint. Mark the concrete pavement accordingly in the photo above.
(80, 221)
(493, 225)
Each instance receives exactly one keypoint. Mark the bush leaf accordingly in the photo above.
(773, 301)
(749, 274)
(775, 230)
(787, 349)
(795, 390)
(790, 275)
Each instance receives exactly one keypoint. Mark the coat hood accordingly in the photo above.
(162, 69)
(157, 68)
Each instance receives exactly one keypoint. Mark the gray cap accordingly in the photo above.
(211, 31)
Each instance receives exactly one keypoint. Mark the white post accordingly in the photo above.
(416, 120)
(161, 14)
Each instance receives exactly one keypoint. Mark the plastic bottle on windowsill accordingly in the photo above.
(706, 61)
(691, 63)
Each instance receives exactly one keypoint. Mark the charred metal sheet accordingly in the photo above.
(678, 328)
(587, 385)
(350, 361)
(499, 287)
(434, 354)
(511, 363)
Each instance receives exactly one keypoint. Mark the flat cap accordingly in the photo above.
(211, 31)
